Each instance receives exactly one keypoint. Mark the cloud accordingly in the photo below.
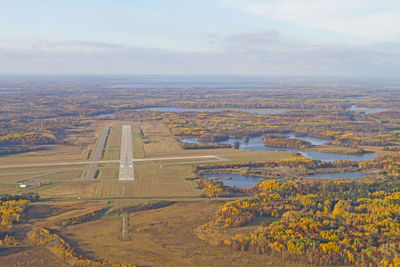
(263, 53)
(374, 20)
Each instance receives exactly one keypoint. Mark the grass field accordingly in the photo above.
(160, 140)
(153, 182)
(62, 175)
(138, 145)
(110, 154)
(61, 153)
(109, 173)
(112, 145)
(65, 190)
(36, 175)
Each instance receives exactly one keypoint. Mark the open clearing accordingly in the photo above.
(161, 237)
(170, 181)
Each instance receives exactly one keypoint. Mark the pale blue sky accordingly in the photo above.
(310, 37)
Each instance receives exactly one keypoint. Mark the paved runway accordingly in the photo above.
(126, 155)
(91, 170)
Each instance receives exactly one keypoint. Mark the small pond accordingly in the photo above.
(107, 115)
(240, 181)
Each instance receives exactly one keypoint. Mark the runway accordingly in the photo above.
(126, 172)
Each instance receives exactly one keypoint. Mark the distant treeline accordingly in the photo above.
(9, 150)
(31, 138)
(205, 146)
(25, 196)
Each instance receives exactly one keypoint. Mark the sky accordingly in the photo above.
(247, 37)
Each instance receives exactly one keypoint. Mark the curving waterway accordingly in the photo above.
(257, 143)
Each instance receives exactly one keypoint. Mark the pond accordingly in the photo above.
(254, 143)
(344, 175)
(315, 155)
(257, 143)
(180, 110)
(240, 181)
(313, 140)
(367, 110)
(107, 115)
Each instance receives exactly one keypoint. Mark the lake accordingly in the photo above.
(344, 175)
(247, 181)
(257, 143)
(315, 155)
(367, 110)
(179, 110)
(197, 82)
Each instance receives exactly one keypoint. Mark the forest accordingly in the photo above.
(324, 223)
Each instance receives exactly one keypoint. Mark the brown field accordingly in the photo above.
(109, 173)
(65, 190)
(161, 237)
(111, 150)
(111, 154)
(161, 142)
(62, 153)
(109, 189)
(138, 149)
(61, 175)
(29, 256)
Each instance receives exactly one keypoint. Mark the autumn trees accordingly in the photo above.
(11, 211)
(27, 139)
(326, 223)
